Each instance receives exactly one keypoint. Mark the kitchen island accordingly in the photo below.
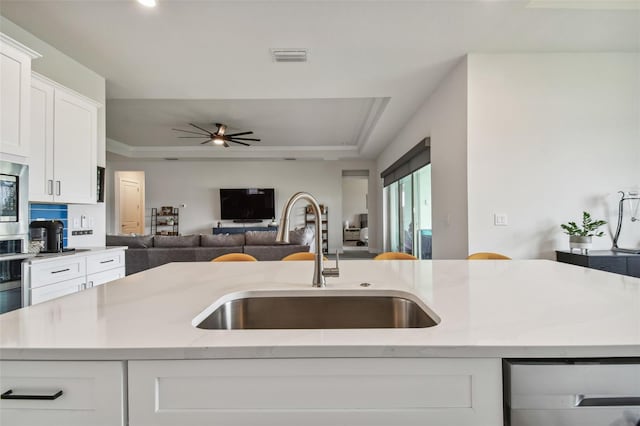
(451, 373)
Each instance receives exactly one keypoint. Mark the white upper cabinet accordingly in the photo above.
(15, 79)
(41, 158)
(64, 137)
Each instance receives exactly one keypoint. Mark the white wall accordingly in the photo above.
(196, 184)
(65, 70)
(354, 199)
(550, 135)
(443, 117)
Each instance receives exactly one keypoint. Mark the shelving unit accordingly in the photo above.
(165, 222)
(309, 219)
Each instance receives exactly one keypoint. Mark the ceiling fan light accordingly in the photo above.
(218, 141)
(148, 3)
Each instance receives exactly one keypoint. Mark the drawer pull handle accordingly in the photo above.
(10, 395)
(606, 401)
(61, 270)
(107, 261)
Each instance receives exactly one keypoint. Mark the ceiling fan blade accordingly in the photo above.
(225, 144)
(240, 134)
(192, 137)
(204, 130)
(207, 141)
(245, 139)
(189, 131)
(241, 143)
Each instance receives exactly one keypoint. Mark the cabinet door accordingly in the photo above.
(41, 158)
(315, 392)
(104, 277)
(15, 80)
(92, 393)
(52, 291)
(74, 155)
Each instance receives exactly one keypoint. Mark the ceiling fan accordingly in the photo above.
(218, 137)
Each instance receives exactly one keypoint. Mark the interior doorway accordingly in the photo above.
(355, 213)
(129, 202)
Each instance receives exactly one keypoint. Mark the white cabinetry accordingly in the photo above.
(88, 393)
(105, 267)
(46, 279)
(56, 278)
(15, 79)
(353, 391)
(64, 144)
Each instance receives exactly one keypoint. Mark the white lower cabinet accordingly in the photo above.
(327, 391)
(51, 291)
(79, 393)
(105, 267)
(49, 278)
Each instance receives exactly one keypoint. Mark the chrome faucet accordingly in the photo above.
(283, 237)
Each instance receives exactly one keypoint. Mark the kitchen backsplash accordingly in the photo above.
(51, 212)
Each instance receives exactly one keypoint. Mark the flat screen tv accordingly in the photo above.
(247, 204)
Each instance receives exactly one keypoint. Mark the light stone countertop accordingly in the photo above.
(84, 251)
(519, 308)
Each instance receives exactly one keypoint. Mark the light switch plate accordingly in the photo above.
(500, 219)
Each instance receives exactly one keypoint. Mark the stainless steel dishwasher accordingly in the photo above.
(580, 392)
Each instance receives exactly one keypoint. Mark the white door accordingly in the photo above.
(75, 140)
(131, 220)
(41, 158)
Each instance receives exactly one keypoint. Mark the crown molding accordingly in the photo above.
(5, 39)
(335, 152)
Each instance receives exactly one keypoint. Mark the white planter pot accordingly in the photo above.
(581, 243)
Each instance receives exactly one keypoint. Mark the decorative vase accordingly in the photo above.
(579, 242)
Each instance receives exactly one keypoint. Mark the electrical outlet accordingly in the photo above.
(500, 219)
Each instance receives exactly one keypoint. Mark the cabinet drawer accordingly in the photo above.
(105, 261)
(314, 392)
(100, 278)
(51, 291)
(92, 393)
(53, 272)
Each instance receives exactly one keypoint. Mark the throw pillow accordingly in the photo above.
(302, 236)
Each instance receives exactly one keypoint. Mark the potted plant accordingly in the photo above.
(580, 237)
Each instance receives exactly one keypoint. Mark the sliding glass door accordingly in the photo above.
(408, 214)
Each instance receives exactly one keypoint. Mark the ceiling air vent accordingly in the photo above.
(289, 55)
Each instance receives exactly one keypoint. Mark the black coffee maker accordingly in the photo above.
(48, 233)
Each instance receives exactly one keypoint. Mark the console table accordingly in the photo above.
(242, 229)
(604, 260)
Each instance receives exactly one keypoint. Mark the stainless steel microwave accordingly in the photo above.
(14, 199)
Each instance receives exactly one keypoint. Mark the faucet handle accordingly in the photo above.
(333, 272)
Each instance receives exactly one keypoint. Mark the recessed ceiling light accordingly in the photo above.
(148, 3)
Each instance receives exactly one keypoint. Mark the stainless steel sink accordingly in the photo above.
(307, 310)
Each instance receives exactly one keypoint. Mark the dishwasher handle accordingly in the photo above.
(606, 401)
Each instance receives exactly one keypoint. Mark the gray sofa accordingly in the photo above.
(148, 251)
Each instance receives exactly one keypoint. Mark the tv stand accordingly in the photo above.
(247, 220)
(242, 229)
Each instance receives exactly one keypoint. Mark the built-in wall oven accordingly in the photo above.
(572, 392)
(14, 228)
